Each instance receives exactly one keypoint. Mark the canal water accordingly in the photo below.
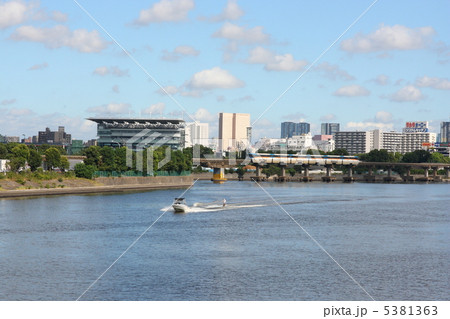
(393, 239)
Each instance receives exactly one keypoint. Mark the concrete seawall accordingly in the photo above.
(108, 185)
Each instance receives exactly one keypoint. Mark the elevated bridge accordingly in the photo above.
(327, 161)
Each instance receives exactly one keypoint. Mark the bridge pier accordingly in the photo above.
(389, 178)
(258, 176)
(219, 175)
(282, 177)
(436, 177)
(426, 177)
(306, 177)
(447, 170)
(408, 177)
(349, 178)
(328, 178)
(370, 177)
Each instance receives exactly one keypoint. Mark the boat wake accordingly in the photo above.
(218, 206)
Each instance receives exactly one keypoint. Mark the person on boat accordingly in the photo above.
(224, 202)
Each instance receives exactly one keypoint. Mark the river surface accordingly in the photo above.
(393, 239)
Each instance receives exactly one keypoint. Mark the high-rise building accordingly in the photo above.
(139, 133)
(59, 137)
(445, 132)
(197, 133)
(289, 129)
(329, 128)
(303, 128)
(355, 142)
(234, 131)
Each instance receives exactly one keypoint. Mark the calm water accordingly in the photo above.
(393, 239)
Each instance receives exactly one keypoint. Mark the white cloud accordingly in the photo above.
(383, 117)
(232, 11)
(113, 70)
(157, 108)
(111, 108)
(16, 12)
(408, 93)
(435, 83)
(295, 117)
(275, 62)
(180, 52)
(215, 78)
(381, 79)
(61, 36)
(327, 117)
(8, 102)
(370, 126)
(333, 72)
(165, 11)
(24, 121)
(203, 115)
(13, 13)
(387, 38)
(38, 66)
(242, 35)
(352, 90)
(170, 89)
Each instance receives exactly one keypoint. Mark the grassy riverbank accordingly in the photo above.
(52, 183)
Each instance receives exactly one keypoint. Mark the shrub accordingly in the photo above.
(84, 171)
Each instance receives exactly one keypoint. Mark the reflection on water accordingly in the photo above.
(393, 239)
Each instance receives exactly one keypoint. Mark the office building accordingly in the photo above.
(140, 133)
(445, 132)
(59, 137)
(197, 133)
(289, 129)
(234, 131)
(329, 128)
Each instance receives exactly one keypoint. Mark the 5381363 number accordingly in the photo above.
(410, 310)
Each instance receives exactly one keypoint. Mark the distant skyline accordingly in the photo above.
(59, 67)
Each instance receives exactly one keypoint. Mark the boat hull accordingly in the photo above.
(180, 208)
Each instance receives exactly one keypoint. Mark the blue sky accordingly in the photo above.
(59, 67)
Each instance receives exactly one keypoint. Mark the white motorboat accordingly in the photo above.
(179, 205)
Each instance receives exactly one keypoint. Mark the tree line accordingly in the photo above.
(23, 156)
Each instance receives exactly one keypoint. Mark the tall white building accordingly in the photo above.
(355, 142)
(413, 136)
(197, 133)
(234, 131)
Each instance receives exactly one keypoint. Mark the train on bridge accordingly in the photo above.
(299, 159)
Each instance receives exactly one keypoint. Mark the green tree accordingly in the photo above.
(21, 150)
(120, 161)
(107, 159)
(35, 160)
(418, 156)
(377, 156)
(338, 151)
(18, 157)
(84, 171)
(3, 151)
(52, 158)
(271, 169)
(93, 156)
(64, 165)
(436, 157)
